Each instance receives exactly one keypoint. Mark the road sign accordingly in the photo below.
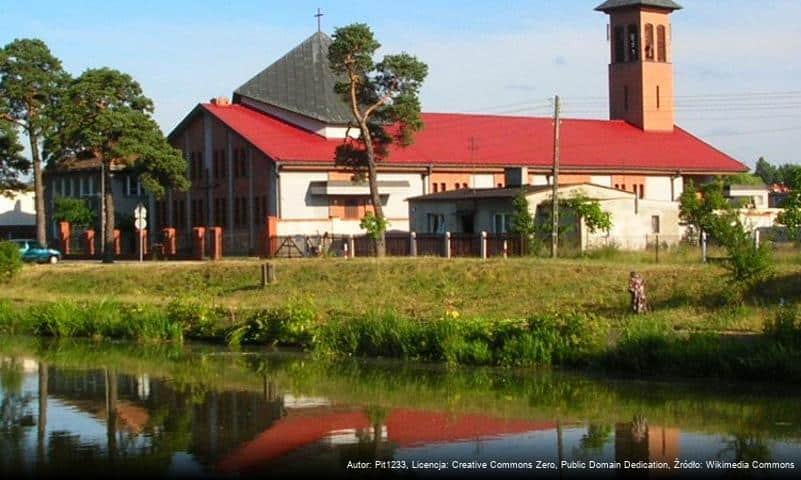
(140, 212)
(140, 223)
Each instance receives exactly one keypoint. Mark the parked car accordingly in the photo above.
(32, 252)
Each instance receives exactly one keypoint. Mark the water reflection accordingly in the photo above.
(68, 408)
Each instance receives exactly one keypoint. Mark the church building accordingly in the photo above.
(262, 164)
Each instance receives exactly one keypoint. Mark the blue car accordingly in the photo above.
(32, 252)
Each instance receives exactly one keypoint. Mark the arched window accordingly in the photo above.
(620, 45)
(633, 43)
(649, 42)
(661, 44)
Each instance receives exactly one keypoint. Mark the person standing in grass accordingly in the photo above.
(639, 303)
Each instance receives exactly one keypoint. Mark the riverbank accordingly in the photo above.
(522, 312)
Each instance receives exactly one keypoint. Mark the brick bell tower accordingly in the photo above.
(641, 68)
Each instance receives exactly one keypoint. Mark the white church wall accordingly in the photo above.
(297, 202)
(658, 188)
(482, 180)
(396, 207)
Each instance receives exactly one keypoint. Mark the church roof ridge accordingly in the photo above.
(301, 82)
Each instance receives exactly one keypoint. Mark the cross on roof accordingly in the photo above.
(319, 15)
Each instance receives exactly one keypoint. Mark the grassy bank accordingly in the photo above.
(683, 292)
(522, 312)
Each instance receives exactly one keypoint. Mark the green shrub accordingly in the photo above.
(196, 319)
(293, 324)
(10, 261)
(785, 327)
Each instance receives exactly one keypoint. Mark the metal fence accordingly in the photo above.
(399, 245)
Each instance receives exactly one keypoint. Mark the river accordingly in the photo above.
(70, 408)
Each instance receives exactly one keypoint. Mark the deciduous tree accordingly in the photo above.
(31, 81)
(790, 217)
(106, 116)
(384, 99)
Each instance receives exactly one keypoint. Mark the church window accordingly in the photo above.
(649, 42)
(456, 186)
(642, 191)
(661, 44)
(658, 100)
(442, 187)
(633, 43)
(436, 187)
(464, 185)
(620, 45)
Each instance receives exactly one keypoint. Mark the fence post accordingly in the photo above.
(483, 245)
(413, 244)
(447, 244)
(756, 238)
(267, 274)
(657, 248)
(703, 246)
(351, 246)
(505, 250)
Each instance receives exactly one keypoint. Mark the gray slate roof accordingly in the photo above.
(615, 4)
(302, 82)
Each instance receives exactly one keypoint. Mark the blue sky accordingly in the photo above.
(737, 68)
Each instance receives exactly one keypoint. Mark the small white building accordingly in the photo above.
(635, 221)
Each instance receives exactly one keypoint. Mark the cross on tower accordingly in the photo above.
(319, 16)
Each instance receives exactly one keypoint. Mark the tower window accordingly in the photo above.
(620, 45)
(633, 43)
(649, 42)
(661, 44)
(658, 100)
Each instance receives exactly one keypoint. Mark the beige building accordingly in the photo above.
(635, 221)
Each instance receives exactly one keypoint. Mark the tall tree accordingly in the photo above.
(31, 80)
(12, 163)
(106, 116)
(384, 100)
(696, 207)
(766, 171)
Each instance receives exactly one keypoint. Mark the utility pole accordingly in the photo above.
(555, 181)
(102, 209)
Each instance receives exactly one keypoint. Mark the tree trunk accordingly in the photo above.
(38, 188)
(41, 422)
(108, 201)
(372, 173)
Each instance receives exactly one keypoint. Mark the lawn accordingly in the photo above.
(688, 294)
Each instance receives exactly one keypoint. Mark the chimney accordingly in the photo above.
(221, 101)
(516, 176)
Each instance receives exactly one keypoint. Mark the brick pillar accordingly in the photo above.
(117, 242)
(216, 239)
(65, 233)
(89, 238)
(199, 242)
(168, 234)
(270, 239)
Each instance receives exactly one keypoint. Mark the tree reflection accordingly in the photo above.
(14, 417)
(746, 447)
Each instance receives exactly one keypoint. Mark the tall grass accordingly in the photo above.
(643, 345)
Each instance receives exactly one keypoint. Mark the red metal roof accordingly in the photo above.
(492, 140)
